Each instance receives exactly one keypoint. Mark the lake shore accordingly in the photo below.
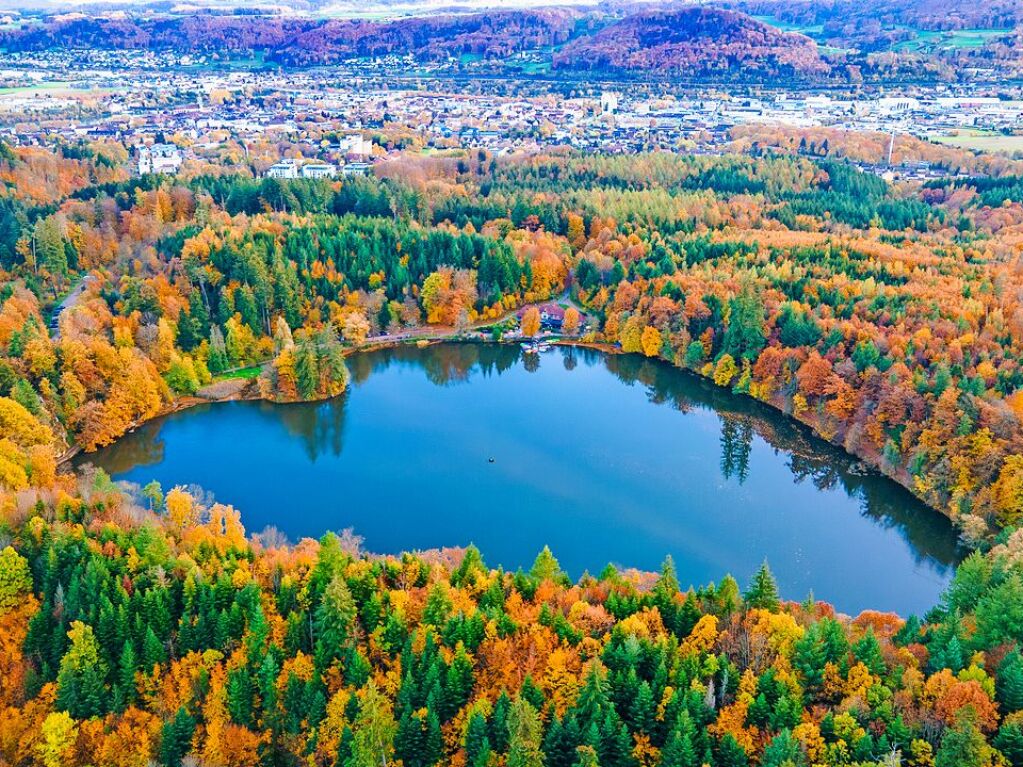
(248, 389)
(431, 433)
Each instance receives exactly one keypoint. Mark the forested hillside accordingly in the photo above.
(691, 42)
(797, 41)
(145, 625)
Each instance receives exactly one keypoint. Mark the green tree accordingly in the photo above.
(176, 739)
(15, 579)
(730, 753)
(477, 744)
(217, 361)
(679, 750)
(1009, 682)
(458, 682)
(745, 336)
(546, 567)
(763, 590)
(126, 692)
(80, 688)
(525, 733)
(335, 622)
(783, 751)
(374, 729)
(1009, 741)
(963, 746)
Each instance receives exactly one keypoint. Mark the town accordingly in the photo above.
(170, 110)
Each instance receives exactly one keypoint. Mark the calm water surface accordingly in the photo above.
(605, 458)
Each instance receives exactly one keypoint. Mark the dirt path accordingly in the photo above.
(69, 302)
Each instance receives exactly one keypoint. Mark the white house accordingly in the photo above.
(159, 158)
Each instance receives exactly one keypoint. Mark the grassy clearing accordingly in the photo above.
(927, 40)
(37, 88)
(982, 141)
(241, 373)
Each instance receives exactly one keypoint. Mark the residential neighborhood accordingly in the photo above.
(171, 110)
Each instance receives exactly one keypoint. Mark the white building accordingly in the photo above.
(357, 168)
(355, 146)
(283, 169)
(898, 104)
(159, 158)
(319, 170)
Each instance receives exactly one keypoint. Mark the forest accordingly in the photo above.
(146, 625)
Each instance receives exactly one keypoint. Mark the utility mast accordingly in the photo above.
(891, 146)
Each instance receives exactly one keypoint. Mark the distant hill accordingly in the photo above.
(492, 35)
(305, 41)
(696, 40)
(691, 41)
(902, 41)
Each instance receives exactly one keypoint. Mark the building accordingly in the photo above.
(159, 158)
(283, 169)
(355, 146)
(319, 170)
(609, 102)
(357, 168)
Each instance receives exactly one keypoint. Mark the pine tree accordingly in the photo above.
(1009, 682)
(763, 590)
(868, 652)
(783, 751)
(558, 752)
(525, 732)
(239, 696)
(730, 753)
(80, 688)
(335, 621)
(1009, 741)
(217, 361)
(643, 710)
(679, 751)
(665, 591)
(306, 370)
(499, 723)
(593, 702)
(532, 693)
(744, 335)
(477, 744)
(374, 729)
(546, 567)
(153, 651)
(126, 692)
(345, 747)
(176, 739)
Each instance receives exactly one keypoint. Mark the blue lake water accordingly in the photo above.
(614, 459)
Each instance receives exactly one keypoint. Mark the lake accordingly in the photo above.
(605, 458)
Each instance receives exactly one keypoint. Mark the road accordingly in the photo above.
(69, 302)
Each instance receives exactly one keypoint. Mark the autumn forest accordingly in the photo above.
(147, 626)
